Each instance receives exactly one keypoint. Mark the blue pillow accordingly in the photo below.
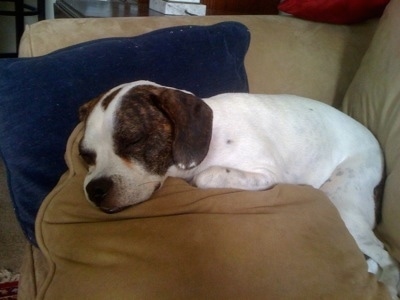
(40, 97)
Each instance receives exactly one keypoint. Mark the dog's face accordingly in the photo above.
(133, 134)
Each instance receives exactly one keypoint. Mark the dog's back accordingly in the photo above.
(301, 140)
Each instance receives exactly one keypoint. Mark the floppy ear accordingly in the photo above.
(192, 121)
(87, 108)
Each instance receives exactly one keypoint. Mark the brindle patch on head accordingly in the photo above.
(107, 100)
(87, 108)
(142, 132)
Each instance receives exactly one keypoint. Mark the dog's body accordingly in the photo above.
(139, 133)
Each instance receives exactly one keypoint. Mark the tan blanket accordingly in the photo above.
(186, 243)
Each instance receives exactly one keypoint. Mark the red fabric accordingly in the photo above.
(334, 11)
(9, 290)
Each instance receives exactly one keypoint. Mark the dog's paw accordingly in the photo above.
(390, 275)
(373, 266)
(222, 177)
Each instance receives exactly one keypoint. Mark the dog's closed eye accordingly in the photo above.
(133, 140)
(89, 157)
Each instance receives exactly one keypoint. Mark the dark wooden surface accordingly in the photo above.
(121, 8)
(101, 9)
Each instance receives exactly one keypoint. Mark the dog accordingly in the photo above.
(139, 133)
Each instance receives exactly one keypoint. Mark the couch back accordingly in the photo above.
(286, 55)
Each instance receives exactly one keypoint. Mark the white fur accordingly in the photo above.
(261, 140)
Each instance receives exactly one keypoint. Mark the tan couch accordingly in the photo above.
(186, 243)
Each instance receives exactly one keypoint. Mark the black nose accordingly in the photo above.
(98, 189)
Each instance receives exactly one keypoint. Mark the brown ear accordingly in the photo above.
(192, 120)
(87, 108)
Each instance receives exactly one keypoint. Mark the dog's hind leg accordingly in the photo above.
(351, 190)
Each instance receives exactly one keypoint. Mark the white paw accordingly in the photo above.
(373, 266)
(223, 177)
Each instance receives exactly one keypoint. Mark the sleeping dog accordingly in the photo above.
(139, 133)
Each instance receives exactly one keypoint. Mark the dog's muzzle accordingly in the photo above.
(99, 191)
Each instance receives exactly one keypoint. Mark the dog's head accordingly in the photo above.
(133, 134)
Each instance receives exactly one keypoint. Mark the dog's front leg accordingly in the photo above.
(222, 177)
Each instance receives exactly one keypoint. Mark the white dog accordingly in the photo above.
(139, 133)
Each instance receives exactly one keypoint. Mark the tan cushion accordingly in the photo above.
(286, 55)
(188, 243)
(374, 99)
(34, 271)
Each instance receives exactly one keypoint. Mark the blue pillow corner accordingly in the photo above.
(40, 96)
